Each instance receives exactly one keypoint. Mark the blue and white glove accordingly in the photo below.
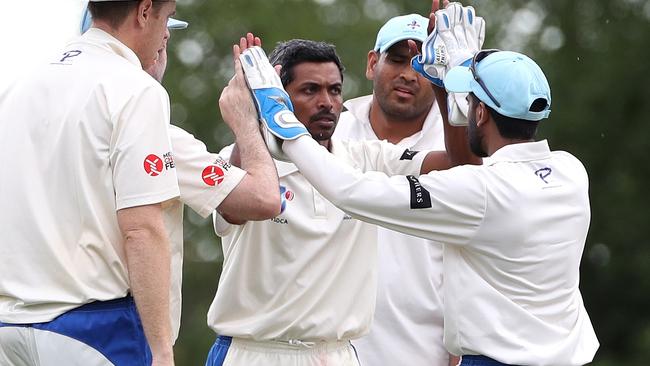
(458, 35)
(278, 123)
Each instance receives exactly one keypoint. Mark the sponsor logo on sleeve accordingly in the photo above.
(213, 175)
(222, 163)
(420, 197)
(169, 160)
(408, 154)
(153, 165)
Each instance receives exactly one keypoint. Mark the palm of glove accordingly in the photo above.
(458, 35)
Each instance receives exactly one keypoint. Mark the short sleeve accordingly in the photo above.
(204, 178)
(141, 156)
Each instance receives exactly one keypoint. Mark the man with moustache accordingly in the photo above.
(513, 229)
(296, 289)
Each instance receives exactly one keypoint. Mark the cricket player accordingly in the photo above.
(513, 229)
(296, 289)
(408, 324)
(87, 269)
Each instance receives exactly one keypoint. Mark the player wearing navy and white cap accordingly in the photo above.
(514, 228)
(295, 289)
(101, 138)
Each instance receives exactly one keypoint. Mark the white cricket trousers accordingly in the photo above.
(228, 351)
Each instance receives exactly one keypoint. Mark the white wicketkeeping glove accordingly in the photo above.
(274, 107)
(458, 35)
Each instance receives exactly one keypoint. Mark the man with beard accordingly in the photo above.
(513, 229)
(294, 290)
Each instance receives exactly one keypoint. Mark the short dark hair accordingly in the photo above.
(115, 12)
(514, 128)
(293, 52)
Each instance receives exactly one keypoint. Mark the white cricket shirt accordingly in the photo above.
(514, 231)
(408, 325)
(310, 273)
(204, 179)
(87, 135)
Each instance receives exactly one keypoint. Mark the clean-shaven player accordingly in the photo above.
(514, 228)
(100, 136)
(295, 289)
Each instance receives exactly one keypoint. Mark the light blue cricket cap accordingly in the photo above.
(514, 79)
(87, 19)
(400, 28)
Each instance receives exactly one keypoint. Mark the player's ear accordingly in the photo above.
(482, 114)
(373, 59)
(145, 11)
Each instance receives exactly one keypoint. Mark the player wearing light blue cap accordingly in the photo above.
(513, 229)
(408, 321)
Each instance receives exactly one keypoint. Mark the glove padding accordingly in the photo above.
(457, 108)
(274, 107)
(458, 35)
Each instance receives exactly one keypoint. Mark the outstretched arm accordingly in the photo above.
(445, 206)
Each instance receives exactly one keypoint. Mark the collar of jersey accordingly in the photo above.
(360, 109)
(106, 41)
(526, 151)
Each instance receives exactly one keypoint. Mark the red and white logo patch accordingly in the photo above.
(212, 175)
(153, 165)
(288, 195)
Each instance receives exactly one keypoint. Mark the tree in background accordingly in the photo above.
(594, 53)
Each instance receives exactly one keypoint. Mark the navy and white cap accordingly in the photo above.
(514, 79)
(87, 20)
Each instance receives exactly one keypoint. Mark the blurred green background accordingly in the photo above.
(594, 53)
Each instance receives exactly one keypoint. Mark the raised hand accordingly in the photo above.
(278, 123)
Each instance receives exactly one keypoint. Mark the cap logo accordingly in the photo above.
(414, 24)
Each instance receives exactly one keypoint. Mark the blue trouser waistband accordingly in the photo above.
(477, 360)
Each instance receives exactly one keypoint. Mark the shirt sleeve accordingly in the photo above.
(141, 157)
(445, 206)
(204, 178)
(221, 226)
(376, 155)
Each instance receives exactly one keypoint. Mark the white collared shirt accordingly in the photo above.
(87, 135)
(514, 231)
(309, 273)
(408, 325)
